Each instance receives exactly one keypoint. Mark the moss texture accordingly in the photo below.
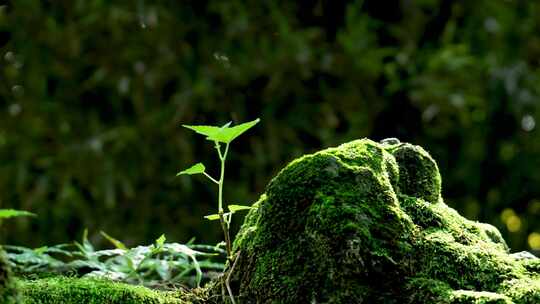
(88, 291)
(365, 223)
(8, 290)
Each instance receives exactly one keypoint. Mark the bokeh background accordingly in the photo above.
(93, 93)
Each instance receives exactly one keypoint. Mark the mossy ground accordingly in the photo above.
(90, 291)
(365, 223)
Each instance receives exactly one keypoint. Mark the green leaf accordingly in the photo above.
(208, 131)
(114, 241)
(225, 134)
(234, 208)
(212, 217)
(161, 240)
(195, 169)
(8, 213)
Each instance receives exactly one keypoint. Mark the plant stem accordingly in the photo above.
(211, 178)
(228, 279)
(226, 235)
(221, 181)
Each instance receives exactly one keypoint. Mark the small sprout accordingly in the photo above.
(221, 135)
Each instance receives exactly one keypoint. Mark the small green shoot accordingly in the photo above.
(221, 135)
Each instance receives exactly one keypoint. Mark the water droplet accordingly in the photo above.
(18, 64)
(14, 109)
(430, 112)
(528, 123)
(123, 85)
(152, 18)
(402, 58)
(9, 56)
(17, 90)
(95, 144)
(491, 25)
(139, 67)
(223, 59)
(457, 100)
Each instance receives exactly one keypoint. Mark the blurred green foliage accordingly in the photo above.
(92, 95)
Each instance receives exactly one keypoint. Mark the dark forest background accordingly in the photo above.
(93, 93)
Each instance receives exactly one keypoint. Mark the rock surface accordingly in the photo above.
(365, 223)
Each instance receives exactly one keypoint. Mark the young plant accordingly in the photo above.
(220, 136)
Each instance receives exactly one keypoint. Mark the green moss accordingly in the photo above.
(8, 290)
(418, 173)
(523, 290)
(88, 291)
(366, 222)
(478, 297)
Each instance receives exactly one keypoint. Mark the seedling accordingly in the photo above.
(221, 135)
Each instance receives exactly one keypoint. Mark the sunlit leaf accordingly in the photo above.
(8, 213)
(227, 135)
(195, 169)
(208, 131)
(212, 217)
(223, 134)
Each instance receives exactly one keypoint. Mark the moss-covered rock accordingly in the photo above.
(365, 223)
(90, 291)
(8, 291)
